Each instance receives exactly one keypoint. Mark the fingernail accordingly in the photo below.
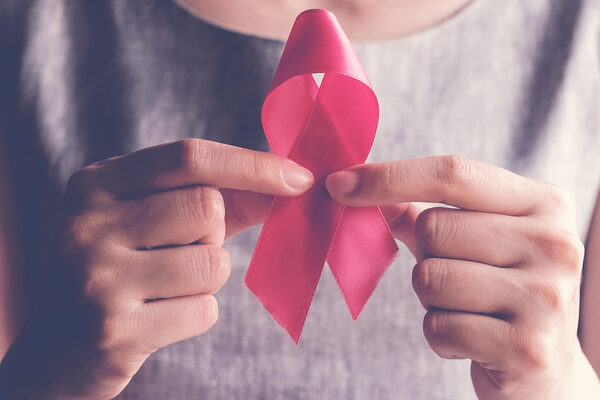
(295, 176)
(343, 182)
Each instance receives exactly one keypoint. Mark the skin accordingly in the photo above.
(589, 326)
(361, 19)
(386, 19)
(11, 301)
(140, 258)
(499, 275)
(161, 215)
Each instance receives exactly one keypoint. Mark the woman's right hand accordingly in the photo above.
(140, 259)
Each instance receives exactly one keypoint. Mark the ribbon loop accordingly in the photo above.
(324, 128)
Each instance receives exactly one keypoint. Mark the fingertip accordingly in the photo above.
(296, 177)
(342, 183)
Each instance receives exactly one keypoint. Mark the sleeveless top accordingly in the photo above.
(514, 83)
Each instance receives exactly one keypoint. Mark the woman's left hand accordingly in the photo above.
(499, 276)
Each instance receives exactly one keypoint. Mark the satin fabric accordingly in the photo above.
(324, 128)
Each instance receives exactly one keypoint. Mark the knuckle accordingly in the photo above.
(561, 246)
(80, 180)
(560, 198)
(426, 225)
(217, 267)
(79, 235)
(533, 348)
(433, 227)
(109, 333)
(436, 329)
(550, 296)
(98, 283)
(80, 188)
(213, 205)
(192, 153)
(570, 250)
(101, 313)
(202, 205)
(454, 170)
(428, 277)
(221, 266)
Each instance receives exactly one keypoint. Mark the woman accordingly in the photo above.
(114, 280)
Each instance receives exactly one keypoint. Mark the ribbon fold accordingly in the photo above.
(324, 128)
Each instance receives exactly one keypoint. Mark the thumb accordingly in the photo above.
(244, 209)
(401, 218)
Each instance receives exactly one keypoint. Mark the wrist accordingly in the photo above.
(24, 371)
(584, 384)
(13, 376)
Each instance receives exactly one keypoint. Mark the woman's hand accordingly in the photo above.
(141, 258)
(499, 276)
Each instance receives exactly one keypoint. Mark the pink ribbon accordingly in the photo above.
(324, 128)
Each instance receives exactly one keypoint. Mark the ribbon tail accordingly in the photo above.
(290, 255)
(324, 129)
(361, 251)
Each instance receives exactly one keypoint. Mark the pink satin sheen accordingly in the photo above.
(324, 128)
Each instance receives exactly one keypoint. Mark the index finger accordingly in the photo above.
(452, 180)
(195, 161)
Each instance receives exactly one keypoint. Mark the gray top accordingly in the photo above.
(515, 83)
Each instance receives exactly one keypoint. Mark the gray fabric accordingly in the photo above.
(514, 83)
